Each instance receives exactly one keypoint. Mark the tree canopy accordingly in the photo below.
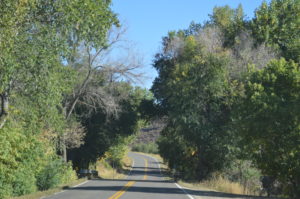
(229, 88)
(51, 87)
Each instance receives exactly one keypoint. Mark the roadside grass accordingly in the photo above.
(49, 192)
(217, 183)
(106, 171)
(222, 184)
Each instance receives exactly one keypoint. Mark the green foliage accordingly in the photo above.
(20, 158)
(179, 154)
(24, 156)
(277, 24)
(268, 119)
(105, 131)
(37, 37)
(245, 173)
(54, 173)
(242, 123)
(117, 151)
(24, 182)
(230, 21)
(198, 108)
(145, 148)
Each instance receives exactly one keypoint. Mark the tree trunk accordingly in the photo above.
(70, 111)
(64, 152)
(4, 108)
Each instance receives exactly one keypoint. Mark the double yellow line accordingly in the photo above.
(122, 191)
(129, 184)
(146, 168)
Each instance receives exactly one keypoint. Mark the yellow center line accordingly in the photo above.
(146, 168)
(129, 184)
(122, 191)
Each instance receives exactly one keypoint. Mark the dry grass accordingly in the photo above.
(49, 192)
(216, 183)
(127, 163)
(105, 171)
(224, 185)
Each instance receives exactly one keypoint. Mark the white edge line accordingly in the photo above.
(80, 184)
(191, 197)
(64, 190)
(59, 192)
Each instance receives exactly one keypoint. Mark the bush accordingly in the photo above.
(55, 173)
(18, 162)
(24, 182)
(146, 148)
(49, 176)
(69, 174)
(244, 173)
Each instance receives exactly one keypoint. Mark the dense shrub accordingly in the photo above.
(69, 174)
(18, 162)
(24, 182)
(117, 151)
(55, 172)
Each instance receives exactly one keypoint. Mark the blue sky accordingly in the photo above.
(149, 20)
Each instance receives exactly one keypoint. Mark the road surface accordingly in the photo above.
(144, 182)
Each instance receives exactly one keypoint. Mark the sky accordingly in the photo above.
(147, 21)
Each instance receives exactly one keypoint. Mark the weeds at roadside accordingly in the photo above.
(49, 192)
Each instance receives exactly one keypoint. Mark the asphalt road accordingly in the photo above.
(144, 182)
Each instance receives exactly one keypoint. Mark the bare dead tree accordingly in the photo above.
(245, 53)
(173, 47)
(99, 63)
(74, 136)
(211, 38)
(99, 70)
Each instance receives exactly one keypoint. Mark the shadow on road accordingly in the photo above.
(154, 186)
(165, 190)
(136, 180)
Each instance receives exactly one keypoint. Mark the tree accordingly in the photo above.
(39, 34)
(97, 77)
(37, 39)
(227, 100)
(230, 21)
(277, 24)
(104, 129)
(198, 110)
(49, 36)
(268, 120)
(198, 81)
